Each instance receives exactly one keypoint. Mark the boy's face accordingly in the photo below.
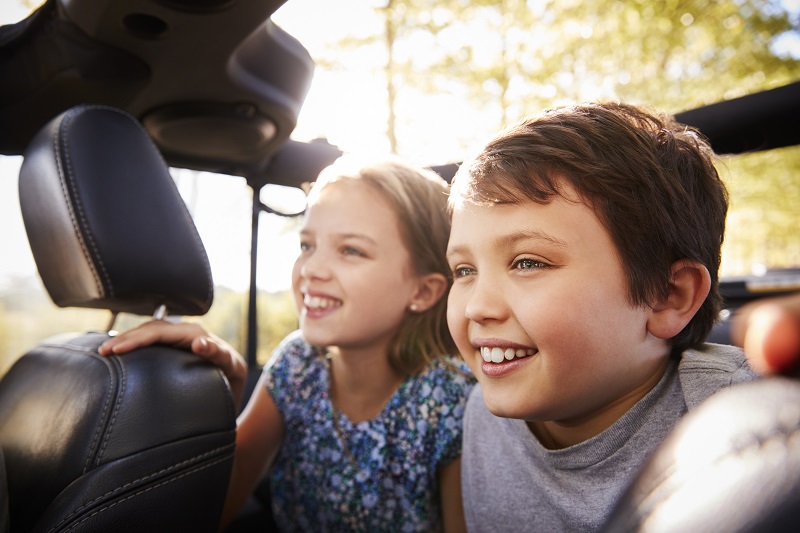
(540, 289)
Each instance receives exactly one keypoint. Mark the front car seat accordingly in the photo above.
(140, 442)
(730, 466)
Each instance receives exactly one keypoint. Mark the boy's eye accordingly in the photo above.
(529, 264)
(461, 272)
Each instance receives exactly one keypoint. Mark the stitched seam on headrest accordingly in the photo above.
(110, 493)
(89, 235)
(195, 235)
(65, 175)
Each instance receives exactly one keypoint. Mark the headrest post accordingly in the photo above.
(112, 321)
(161, 312)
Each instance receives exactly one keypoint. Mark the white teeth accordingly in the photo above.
(315, 302)
(498, 355)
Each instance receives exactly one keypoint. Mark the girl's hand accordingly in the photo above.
(188, 336)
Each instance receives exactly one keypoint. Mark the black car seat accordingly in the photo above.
(142, 442)
(730, 466)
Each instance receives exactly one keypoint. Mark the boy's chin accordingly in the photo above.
(506, 404)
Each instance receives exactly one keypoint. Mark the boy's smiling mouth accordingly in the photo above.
(501, 355)
(499, 359)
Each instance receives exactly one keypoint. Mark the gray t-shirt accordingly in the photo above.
(512, 483)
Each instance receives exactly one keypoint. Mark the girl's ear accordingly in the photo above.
(430, 289)
(689, 286)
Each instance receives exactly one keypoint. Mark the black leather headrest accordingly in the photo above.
(106, 224)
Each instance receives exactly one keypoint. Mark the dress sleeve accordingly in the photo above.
(286, 364)
(450, 390)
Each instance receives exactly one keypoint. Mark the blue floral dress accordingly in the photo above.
(385, 478)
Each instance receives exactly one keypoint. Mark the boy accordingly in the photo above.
(585, 247)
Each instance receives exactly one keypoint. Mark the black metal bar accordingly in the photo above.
(252, 315)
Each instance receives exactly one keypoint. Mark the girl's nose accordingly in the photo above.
(313, 265)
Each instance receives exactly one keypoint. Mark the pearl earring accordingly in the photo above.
(413, 308)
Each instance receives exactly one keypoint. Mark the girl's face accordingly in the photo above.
(353, 281)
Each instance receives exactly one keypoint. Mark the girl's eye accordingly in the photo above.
(529, 264)
(462, 272)
(305, 246)
(349, 250)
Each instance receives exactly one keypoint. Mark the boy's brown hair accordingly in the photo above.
(650, 181)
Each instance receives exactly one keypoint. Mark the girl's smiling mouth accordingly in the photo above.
(315, 303)
(319, 305)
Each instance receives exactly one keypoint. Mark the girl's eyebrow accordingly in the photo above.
(344, 236)
(359, 236)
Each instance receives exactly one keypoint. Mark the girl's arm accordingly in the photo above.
(259, 434)
(452, 506)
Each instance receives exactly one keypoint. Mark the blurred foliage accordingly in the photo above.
(518, 57)
(513, 58)
(228, 319)
(762, 226)
(27, 316)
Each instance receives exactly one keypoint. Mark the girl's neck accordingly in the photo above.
(361, 383)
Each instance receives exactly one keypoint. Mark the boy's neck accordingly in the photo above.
(559, 434)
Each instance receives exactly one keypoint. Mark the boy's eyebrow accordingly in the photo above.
(513, 238)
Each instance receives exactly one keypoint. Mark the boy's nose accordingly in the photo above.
(485, 302)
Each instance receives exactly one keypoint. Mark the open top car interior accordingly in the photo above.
(101, 97)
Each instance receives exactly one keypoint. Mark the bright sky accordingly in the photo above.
(347, 108)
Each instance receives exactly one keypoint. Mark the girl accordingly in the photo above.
(358, 415)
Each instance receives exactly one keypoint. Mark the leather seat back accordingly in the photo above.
(140, 442)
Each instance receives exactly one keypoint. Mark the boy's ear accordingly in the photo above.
(689, 286)
(430, 289)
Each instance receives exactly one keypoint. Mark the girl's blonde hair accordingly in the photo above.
(419, 199)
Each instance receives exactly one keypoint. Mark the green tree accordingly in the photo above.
(513, 58)
(520, 56)
(227, 318)
(762, 223)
